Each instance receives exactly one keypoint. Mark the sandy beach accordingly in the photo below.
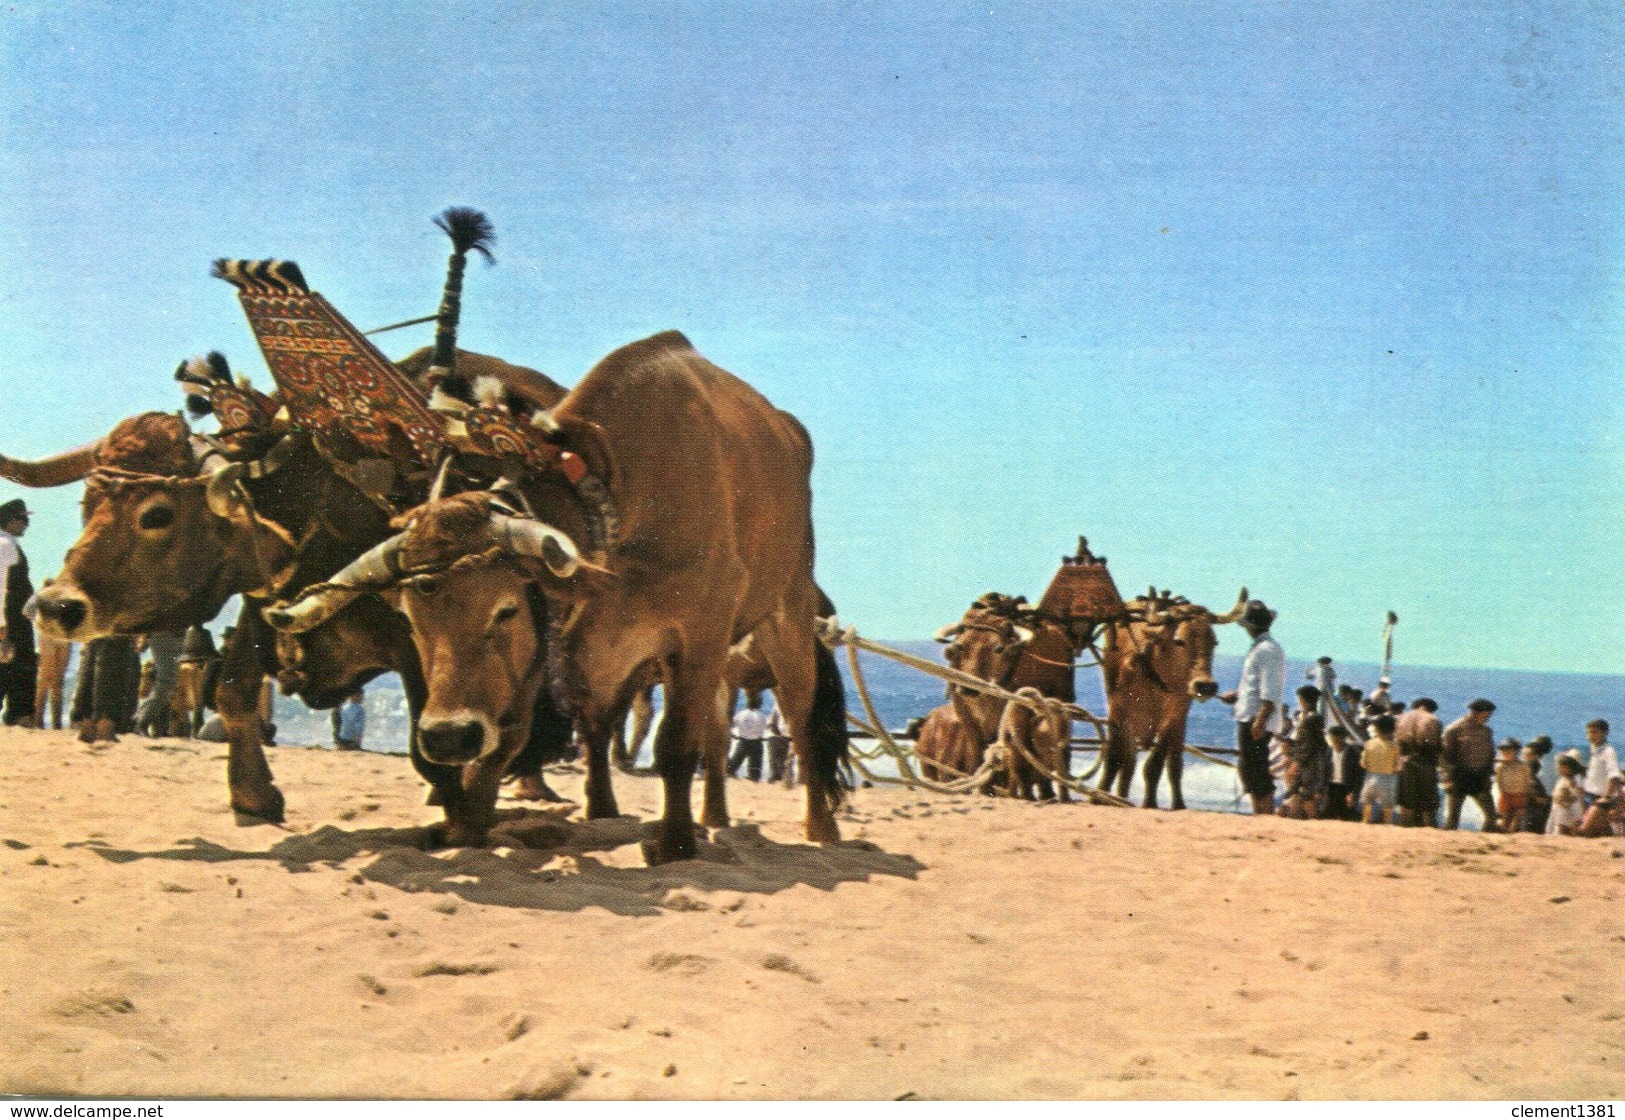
(952, 948)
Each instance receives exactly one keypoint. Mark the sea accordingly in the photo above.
(1527, 704)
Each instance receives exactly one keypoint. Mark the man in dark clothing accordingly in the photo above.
(19, 662)
(1420, 738)
(1469, 759)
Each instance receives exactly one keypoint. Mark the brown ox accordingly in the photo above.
(711, 541)
(1156, 660)
(166, 543)
(1007, 643)
(1034, 742)
(946, 753)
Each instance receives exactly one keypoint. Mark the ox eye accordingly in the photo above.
(157, 517)
(505, 613)
(425, 585)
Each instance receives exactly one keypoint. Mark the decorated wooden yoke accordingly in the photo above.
(1083, 596)
(364, 414)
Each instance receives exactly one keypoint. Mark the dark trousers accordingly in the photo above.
(778, 758)
(18, 680)
(1253, 761)
(109, 675)
(748, 751)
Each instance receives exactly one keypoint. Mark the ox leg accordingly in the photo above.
(1111, 751)
(692, 722)
(714, 813)
(596, 734)
(253, 790)
(1154, 760)
(811, 696)
(1176, 772)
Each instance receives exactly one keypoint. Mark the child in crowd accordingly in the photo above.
(1540, 801)
(1380, 761)
(1606, 817)
(351, 724)
(1343, 791)
(1512, 784)
(1306, 793)
(1568, 802)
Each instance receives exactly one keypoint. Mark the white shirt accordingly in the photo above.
(1603, 766)
(10, 553)
(1263, 677)
(750, 723)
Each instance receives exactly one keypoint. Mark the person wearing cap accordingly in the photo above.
(1469, 759)
(19, 663)
(1258, 700)
(1568, 802)
(1419, 735)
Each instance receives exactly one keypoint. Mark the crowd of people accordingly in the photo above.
(1341, 755)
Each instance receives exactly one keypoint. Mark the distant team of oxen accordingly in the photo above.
(653, 527)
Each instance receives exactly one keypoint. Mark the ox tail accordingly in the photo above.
(829, 756)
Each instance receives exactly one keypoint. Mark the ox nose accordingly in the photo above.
(451, 742)
(65, 613)
(1204, 690)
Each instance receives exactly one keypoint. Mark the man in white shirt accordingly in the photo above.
(1604, 764)
(19, 664)
(749, 729)
(1258, 700)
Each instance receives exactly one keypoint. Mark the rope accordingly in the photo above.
(992, 762)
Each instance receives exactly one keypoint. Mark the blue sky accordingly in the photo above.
(1322, 299)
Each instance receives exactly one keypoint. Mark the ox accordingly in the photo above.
(1156, 659)
(171, 534)
(1003, 641)
(702, 536)
(945, 751)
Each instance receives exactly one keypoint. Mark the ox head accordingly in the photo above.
(323, 666)
(1179, 639)
(989, 640)
(167, 538)
(469, 575)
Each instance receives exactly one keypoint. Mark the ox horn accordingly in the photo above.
(58, 470)
(542, 542)
(1024, 634)
(374, 569)
(946, 634)
(1234, 614)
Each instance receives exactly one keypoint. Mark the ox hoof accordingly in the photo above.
(715, 820)
(452, 835)
(258, 807)
(534, 788)
(435, 797)
(670, 848)
(823, 832)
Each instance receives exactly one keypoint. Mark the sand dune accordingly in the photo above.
(952, 948)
